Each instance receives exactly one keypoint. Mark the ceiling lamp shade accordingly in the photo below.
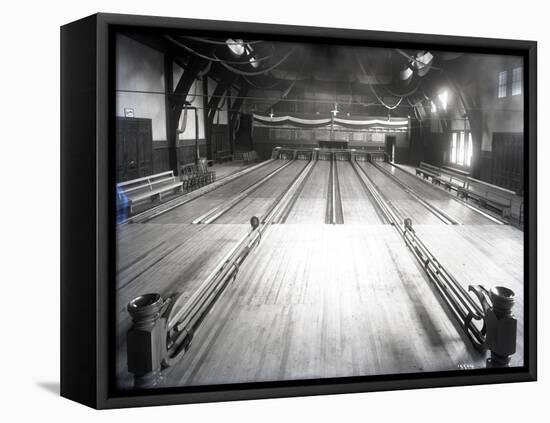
(253, 62)
(424, 62)
(236, 46)
(406, 74)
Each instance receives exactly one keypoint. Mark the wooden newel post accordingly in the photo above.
(145, 348)
(501, 327)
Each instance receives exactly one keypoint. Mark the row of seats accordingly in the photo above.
(249, 156)
(485, 194)
(155, 187)
(194, 176)
(151, 187)
(223, 156)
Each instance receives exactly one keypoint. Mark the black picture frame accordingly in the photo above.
(87, 214)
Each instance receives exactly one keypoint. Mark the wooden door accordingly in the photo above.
(134, 148)
(220, 139)
(507, 161)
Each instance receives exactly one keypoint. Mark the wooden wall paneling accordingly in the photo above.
(507, 163)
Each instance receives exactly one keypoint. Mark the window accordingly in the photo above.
(453, 148)
(502, 82)
(460, 155)
(461, 148)
(443, 97)
(517, 81)
(469, 150)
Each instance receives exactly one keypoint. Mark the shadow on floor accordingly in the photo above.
(50, 387)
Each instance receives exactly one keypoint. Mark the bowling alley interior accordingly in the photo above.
(298, 210)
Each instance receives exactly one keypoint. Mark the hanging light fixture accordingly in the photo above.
(424, 62)
(253, 62)
(406, 74)
(236, 46)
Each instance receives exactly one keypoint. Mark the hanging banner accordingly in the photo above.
(348, 122)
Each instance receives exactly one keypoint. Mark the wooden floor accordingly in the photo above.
(406, 204)
(257, 203)
(490, 255)
(440, 198)
(192, 210)
(357, 204)
(312, 203)
(318, 300)
(165, 259)
(325, 301)
(516, 199)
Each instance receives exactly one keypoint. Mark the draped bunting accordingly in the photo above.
(396, 124)
(291, 119)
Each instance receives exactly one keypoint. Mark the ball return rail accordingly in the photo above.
(485, 315)
(163, 328)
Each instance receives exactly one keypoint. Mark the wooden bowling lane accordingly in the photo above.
(323, 300)
(405, 204)
(439, 198)
(488, 255)
(311, 205)
(357, 204)
(164, 258)
(259, 200)
(187, 212)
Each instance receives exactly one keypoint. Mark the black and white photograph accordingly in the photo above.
(275, 211)
(297, 210)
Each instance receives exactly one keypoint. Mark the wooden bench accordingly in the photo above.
(488, 195)
(427, 170)
(149, 188)
(455, 171)
(456, 178)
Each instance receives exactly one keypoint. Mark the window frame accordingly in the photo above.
(502, 84)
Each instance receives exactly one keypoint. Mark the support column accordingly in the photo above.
(171, 134)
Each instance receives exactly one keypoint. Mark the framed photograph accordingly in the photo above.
(255, 211)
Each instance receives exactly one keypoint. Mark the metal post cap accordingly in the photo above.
(254, 222)
(145, 305)
(503, 299)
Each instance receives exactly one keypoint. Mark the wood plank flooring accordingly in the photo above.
(258, 202)
(406, 205)
(317, 300)
(164, 259)
(311, 205)
(489, 255)
(439, 198)
(357, 204)
(197, 207)
(324, 301)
